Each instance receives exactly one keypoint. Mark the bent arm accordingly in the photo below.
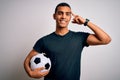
(27, 62)
(99, 37)
(33, 73)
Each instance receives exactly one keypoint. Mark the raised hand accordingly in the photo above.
(78, 19)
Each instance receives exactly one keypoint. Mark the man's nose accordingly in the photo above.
(63, 15)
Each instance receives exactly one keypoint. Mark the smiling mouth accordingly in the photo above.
(63, 21)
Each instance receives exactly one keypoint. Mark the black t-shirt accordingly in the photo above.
(64, 52)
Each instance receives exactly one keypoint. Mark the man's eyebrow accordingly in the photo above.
(69, 12)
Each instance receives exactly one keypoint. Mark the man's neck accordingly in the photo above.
(61, 31)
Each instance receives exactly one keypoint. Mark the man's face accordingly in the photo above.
(62, 16)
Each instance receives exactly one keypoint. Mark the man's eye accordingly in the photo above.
(68, 14)
(59, 13)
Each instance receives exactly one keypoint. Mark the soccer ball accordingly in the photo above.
(40, 60)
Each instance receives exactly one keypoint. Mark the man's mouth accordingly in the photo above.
(63, 21)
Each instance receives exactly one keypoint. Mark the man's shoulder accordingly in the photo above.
(48, 36)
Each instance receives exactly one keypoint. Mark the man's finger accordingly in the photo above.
(44, 73)
(39, 69)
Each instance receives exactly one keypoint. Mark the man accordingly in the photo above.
(64, 46)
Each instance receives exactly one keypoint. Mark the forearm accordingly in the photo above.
(27, 62)
(102, 36)
(26, 67)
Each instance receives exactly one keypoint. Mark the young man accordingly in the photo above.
(64, 47)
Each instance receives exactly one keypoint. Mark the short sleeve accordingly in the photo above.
(85, 35)
(39, 46)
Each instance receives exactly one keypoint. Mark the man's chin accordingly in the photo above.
(63, 25)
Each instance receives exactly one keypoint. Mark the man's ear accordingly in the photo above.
(54, 16)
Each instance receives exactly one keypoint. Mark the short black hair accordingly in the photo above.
(62, 4)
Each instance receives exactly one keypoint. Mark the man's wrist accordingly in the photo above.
(86, 22)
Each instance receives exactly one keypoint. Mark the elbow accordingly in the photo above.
(107, 40)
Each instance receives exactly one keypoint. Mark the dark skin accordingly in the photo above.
(62, 18)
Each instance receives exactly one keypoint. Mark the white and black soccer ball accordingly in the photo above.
(40, 60)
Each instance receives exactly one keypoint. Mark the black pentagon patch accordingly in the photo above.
(37, 60)
(47, 66)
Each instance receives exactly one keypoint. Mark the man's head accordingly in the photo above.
(63, 5)
(62, 15)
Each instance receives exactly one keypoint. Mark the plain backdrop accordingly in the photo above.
(23, 22)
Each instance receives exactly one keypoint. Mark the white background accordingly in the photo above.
(23, 22)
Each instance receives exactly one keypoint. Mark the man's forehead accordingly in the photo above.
(63, 9)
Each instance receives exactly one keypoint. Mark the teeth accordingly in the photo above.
(63, 21)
